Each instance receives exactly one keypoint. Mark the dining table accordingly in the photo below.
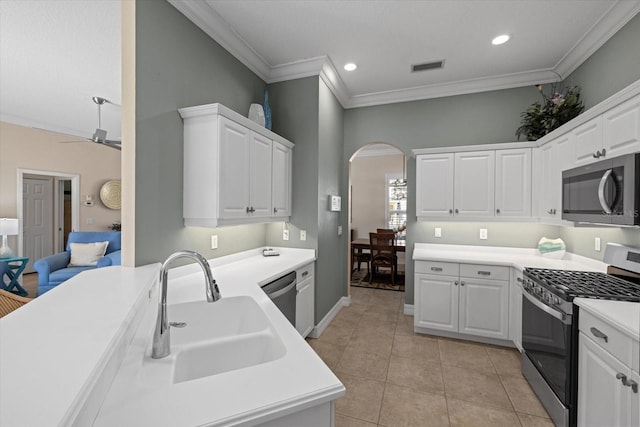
(360, 244)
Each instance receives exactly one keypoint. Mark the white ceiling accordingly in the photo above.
(284, 39)
(55, 55)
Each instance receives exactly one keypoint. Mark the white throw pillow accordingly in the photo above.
(85, 254)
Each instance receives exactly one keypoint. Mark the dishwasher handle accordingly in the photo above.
(282, 291)
(280, 286)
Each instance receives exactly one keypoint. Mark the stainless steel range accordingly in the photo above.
(550, 324)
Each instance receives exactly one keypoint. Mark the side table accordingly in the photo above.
(13, 268)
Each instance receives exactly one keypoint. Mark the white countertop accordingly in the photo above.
(66, 356)
(519, 258)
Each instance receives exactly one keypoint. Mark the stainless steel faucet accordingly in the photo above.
(161, 341)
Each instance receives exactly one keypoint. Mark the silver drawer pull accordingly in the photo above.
(436, 268)
(455, 283)
(599, 334)
(305, 273)
(627, 382)
(484, 273)
(461, 283)
(519, 279)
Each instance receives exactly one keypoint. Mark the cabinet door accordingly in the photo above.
(434, 185)
(484, 307)
(281, 182)
(234, 169)
(473, 192)
(621, 128)
(602, 398)
(548, 185)
(260, 175)
(515, 308)
(436, 299)
(305, 314)
(587, 140)
(513, 183)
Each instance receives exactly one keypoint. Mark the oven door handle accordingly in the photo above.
(555, 313)
(601, 197)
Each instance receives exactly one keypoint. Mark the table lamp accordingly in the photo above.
(8, 227)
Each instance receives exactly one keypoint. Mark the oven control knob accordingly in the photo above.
(556, 301)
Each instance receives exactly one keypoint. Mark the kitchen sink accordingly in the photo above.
(212, 338)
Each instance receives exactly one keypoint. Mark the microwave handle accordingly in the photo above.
(603, 182)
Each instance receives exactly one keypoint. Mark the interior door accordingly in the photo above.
(37, 195)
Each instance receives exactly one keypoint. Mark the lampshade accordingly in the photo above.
(9, 226)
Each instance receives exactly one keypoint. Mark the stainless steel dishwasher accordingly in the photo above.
(282, 292)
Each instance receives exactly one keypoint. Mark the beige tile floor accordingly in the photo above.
(395, 377)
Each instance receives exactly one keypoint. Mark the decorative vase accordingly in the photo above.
(267, 110)
(256, 114)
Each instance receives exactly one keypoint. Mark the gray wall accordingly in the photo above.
(177, 65)
(331, 279)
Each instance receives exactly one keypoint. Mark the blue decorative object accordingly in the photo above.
(267, 110)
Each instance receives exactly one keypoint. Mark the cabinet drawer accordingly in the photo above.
(606, 336)
(438, 268)
(493, 272)
(304, 272)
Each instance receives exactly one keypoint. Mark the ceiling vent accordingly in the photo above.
(427, 66)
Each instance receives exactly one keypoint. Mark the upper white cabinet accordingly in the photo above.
(513, 183)
(549, 162)
(474, 193)
(611, 134)
(235, 171)
(474, 184)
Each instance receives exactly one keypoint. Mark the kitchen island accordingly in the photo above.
(67, 357)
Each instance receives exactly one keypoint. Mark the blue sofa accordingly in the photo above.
(53, 270)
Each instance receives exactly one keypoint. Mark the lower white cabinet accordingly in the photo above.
(608, 393)
(515, 308)
(305, 301)
(462, 298)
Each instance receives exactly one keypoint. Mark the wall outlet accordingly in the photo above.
(339, 230)
(437, 232)
(303, 234)
(597, 244)
(214, 242)
(285, 234)
(484, 235)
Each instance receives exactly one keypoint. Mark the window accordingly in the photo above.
(397, 204)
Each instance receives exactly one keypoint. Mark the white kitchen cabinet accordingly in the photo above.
(608, 392)
(434, 185)
(245, 172)
(611, 134)
(464, 299)
(235, 171)
(515, 308)
(281, 189)
(513, 183)
(305, 300)
(474, 192)
(549, 162)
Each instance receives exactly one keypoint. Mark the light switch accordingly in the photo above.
(437, 232)
(214, 242)
(597, 244)
(339, 230)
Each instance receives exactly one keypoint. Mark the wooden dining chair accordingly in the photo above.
(358, 256)
(383, 254)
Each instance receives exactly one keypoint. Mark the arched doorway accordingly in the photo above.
(377, 200)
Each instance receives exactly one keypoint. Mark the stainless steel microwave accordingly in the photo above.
(605, 192)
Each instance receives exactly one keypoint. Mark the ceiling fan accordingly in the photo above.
(100, 135)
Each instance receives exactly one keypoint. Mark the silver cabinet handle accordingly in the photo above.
(461, 283)
(305, 273)
(627, 382)
(457, 211)
(248, 209)
(450, 211)
(252, 209)
(275, 210)
(455, 283)
(599, 334)
(633, 385)
(484, 273)
(519, 279)
(436, 268)
(497, 211)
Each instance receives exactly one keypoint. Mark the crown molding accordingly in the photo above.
(610, 23)
(207, 19)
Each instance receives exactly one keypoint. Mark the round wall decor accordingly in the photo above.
(110, 194)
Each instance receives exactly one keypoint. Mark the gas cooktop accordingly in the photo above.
(568, 284)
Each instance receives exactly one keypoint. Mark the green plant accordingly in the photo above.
(540, 119)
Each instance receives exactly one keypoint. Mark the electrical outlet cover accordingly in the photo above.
(438, 232)
(303, 234)
(285, 234)
(484, 234)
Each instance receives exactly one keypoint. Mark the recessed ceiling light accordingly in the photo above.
(501, 39)
(350, 66)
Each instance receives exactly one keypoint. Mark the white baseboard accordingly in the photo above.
(326, 320)
(408, 309)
